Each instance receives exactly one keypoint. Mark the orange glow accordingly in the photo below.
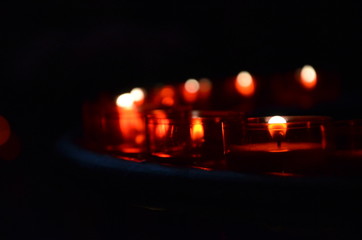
(138, 95)
(197, 131)
(167, 101)
(277, 126)
(163, 125)
(205, 85)
(131, 122)
(4, 130)
(191, 90)
(167, 95)
(308, 77)
(192, 86)
(125, 101)
(245, 84)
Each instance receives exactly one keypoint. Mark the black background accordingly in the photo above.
(57, 54)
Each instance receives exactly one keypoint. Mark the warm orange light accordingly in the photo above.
(131, 123)
(205, 85)
(4, 130)
(125, 101)
(163, 124)
(245, 84)
(167, 95)
(308, 77)
(192, 86)
(167, 101)
(191, 90)
(277, 127)
(138, 95)
(197, 131)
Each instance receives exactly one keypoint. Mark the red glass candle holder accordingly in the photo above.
(113, 130)
(188, 138)
(297, 146)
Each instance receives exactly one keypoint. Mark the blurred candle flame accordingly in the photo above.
(138, 95)
(308, 77)
(131, 123)
(167, 95)
(125, 101)
(277, 127)
(245, 84)
(191, 89)
(163, 124)
(197, 131)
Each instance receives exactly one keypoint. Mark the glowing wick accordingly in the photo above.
(277, 127)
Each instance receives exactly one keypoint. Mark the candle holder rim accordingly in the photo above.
(192, 114)
(291, 119)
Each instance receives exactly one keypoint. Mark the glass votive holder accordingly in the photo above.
(114, 131)
(188, 138)
(286, 146)
(347, 157)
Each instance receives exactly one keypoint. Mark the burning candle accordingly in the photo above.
(287, 145)
(188, 138)
(116, 127)
(131, 123)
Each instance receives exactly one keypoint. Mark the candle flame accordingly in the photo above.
(138, 95)
(125, 101)
(163, 124)
(277, 126)
(308, 77)
(131, 123)
(197, 131)
(245, 84)
(167, 95)
(192, 86)
(191, 90)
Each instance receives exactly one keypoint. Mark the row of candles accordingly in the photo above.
(163, 131)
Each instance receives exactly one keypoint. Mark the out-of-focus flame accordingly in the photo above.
(125, 101)
(277, 126)
(192, 86)
(191, 90)
(197, 131)
(163, 124)
(138, 95)
(4, 130)
(308, 77)
(167, 95)
(245, 84)
(131, 123)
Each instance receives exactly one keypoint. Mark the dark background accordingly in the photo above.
(57, 54)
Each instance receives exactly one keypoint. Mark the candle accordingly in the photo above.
(187, 138)
(289, 144)
(131, 124)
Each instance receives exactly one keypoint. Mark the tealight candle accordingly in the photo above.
(115, 127)
(278, 145)
(188, 138)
